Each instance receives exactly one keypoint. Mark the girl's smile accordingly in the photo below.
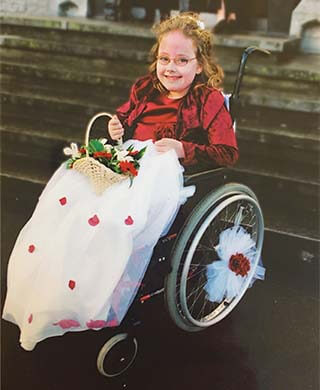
(172, 78)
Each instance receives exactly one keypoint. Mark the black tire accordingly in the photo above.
(221, 199)
(117, 355)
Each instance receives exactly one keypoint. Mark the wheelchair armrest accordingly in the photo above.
(205, 175)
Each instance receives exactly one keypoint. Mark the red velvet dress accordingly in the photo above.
(203, 124)
(158, 120)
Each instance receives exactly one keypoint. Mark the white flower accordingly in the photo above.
(200, 25)
(107, 147)
(103, 140)
(121, 154)
(72, 151)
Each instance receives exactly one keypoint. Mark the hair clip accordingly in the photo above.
(200, 25)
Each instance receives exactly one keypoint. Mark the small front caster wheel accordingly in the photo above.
(117, 355)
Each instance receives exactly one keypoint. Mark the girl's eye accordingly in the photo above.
(182, 61)
(164, 60)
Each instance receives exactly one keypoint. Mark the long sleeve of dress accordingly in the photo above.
(220, 149)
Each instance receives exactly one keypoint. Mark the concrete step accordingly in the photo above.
(269, 151)
(56, 89)
(53, 27)
(270, 146)
(41, 65)
(45, 140)
(285, 155)
(267, 158)
(34, 151)
(101, 50)
(289, 206)
(280, 94)
(280, 77)
(288, 126)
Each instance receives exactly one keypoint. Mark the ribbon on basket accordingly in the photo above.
(103, 164)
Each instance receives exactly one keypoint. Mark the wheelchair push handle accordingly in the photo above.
(237, 85)
(241, 68)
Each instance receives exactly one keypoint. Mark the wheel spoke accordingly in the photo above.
(202, 311)
(197, 292)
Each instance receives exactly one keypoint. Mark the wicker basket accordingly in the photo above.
(99, 175)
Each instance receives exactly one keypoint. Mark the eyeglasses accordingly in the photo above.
(179, 60)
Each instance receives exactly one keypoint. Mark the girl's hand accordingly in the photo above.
(115, 128)
(165, 144)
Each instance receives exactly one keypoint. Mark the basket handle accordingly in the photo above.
(89, 126)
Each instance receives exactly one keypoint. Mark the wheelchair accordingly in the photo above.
(181, 257)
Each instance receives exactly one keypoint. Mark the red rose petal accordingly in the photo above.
(93, 221)
(96, 324)
(31, 248)
(66, 324)
(112, 323)
(30, 318)
(72, 284)
(128, 220)
(63, 201)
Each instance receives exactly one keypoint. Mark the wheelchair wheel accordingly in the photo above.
(117, 355)
(230, 205)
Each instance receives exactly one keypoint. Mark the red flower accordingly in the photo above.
(133, 152)
(82, 150)
(239, 264)
(102, 154)
(127, 166)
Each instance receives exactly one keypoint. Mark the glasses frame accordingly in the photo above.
(175, 60)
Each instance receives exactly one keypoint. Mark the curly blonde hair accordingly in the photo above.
(189, 24)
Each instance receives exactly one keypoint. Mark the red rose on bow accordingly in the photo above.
(239, 264)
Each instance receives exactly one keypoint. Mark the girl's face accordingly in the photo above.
(177, 77)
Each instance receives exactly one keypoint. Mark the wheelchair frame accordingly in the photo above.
(196, 229)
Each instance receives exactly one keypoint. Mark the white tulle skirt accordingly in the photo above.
(78, 262)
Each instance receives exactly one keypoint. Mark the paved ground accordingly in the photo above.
(269, 342)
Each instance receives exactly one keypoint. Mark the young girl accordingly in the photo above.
(78, 262)
(178, 104)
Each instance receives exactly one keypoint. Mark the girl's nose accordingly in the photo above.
(171, 65)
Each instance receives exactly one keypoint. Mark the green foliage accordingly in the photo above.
(95, 146)
(70, 161)
(141, 153)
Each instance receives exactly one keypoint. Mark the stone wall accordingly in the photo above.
(31, 7)
(306, 11)
(305, 23)
(45, 7)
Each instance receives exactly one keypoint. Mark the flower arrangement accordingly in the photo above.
(124, 162)
(237, 253)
